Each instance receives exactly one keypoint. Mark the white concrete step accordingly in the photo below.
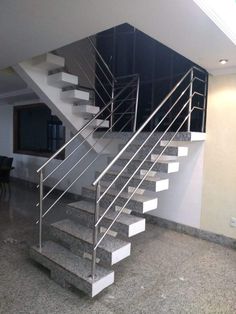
(139, 203)
(62, 79)
(100, 123)
(49, 61)
(155, 184)
(68, 269)
(75, 95)
(79, 239)
(85, 110)
(126, 225)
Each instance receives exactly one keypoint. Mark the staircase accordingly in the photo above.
(96, 233)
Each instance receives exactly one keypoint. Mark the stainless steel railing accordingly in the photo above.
(119, 97)
(99, 77)
(189, 78)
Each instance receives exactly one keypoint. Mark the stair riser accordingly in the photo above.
(132, 205)
(78, 246)
(87, 219)
(147, 185)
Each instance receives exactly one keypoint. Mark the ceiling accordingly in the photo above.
(32, 27)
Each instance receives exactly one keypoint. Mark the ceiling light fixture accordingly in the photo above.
(222, 13)
(223, 61)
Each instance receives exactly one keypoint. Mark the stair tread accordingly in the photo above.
(74, 264)
(135, 197)
(140, 176)
(124, 218)
(128, 156)
(109, 243)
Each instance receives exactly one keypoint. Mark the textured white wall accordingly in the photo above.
(219, 189)
(182, 202)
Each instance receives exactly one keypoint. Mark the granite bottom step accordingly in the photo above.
(67, 268)
(126, 225)
(80, 240)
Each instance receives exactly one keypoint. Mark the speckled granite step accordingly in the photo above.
(164, 166)
(67, 268)
(180, 136)
(155, 184)
(126, 225)
(139, 203)
(79, 238)
(179, 151)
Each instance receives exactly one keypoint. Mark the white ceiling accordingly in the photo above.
(32, 27)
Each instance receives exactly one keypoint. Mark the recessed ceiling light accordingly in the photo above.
(222, 13)
(223, 61)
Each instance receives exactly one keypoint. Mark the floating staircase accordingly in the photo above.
(132, 184)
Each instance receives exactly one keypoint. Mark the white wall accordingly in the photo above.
(219, 189)
(182, 201)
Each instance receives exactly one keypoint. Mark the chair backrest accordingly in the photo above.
(5, 162)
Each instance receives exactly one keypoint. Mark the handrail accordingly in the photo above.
(78, 177)
(83, 128)
(144, 177)
(146, 140)
(99, 196)
(142, 127)
(103, 61)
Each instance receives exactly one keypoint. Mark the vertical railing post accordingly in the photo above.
(40, 208)
(112, 104)
(190, 100)
(204, 104)
(95, 230)
(136, 105)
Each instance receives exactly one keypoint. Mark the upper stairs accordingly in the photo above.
(96, 232)
(60, 91)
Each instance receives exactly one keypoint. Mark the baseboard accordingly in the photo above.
(198, 233)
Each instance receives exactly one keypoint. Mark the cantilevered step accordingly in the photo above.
(126, 225)
(80, 240)
(155, 184)
(100, 123)
(160, 166)
(178, 151)
(138, 203)
(85, 110)
(75, 95)
(62, 79)
(67, 268)
(49, 61)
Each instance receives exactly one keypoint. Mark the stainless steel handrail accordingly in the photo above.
(77, 178)
(142, 127)
(145, 141)
(97, 181)
(103, 61)
(144, 177)
(136, 170)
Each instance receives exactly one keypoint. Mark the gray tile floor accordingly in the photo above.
(167, 272)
